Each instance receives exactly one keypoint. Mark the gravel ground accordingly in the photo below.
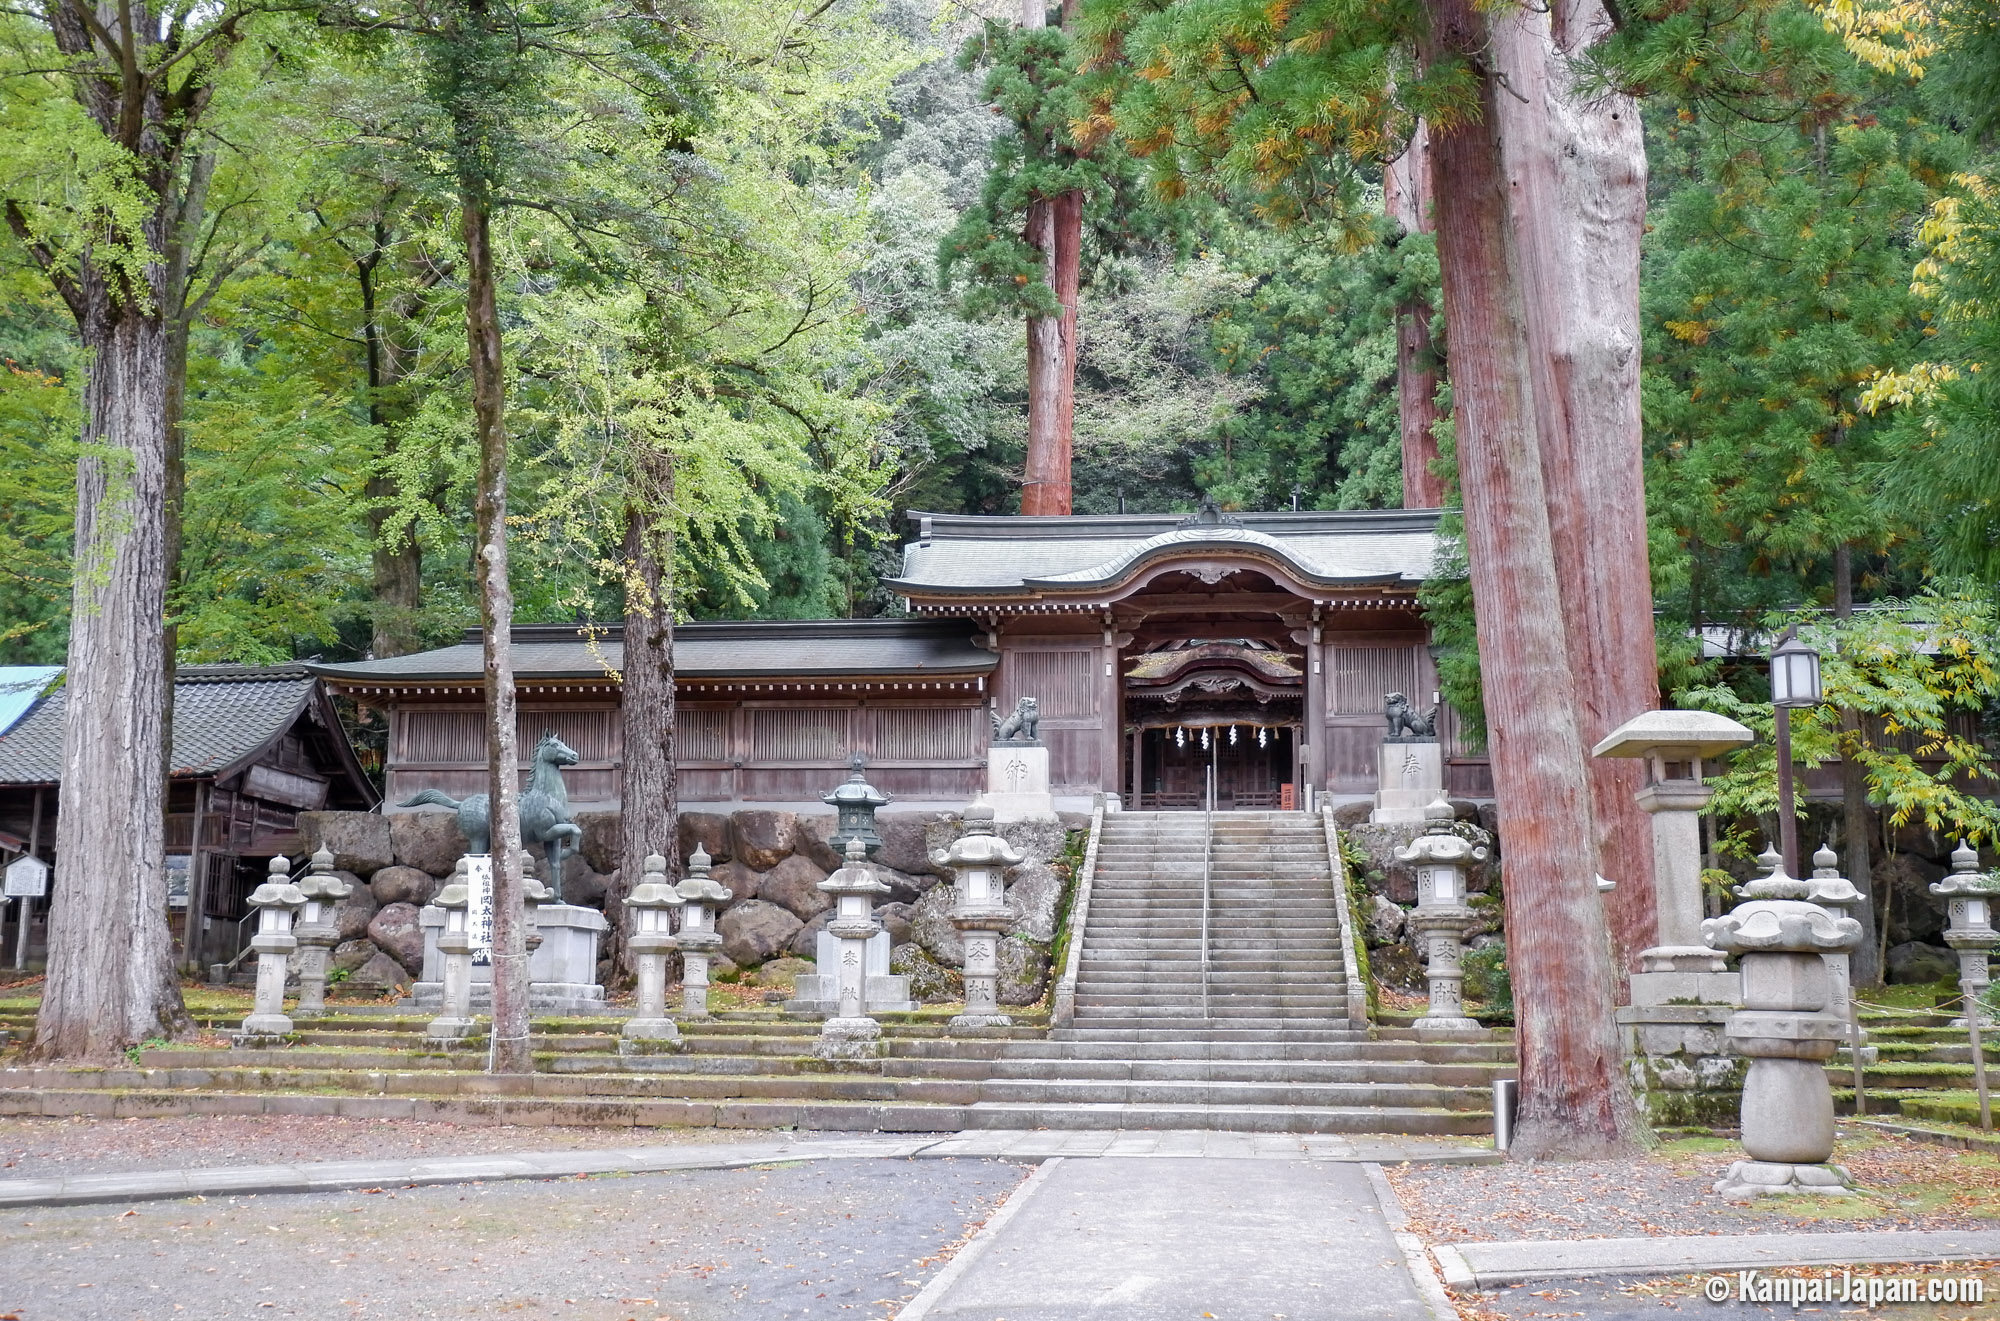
(1681, 1297)
(32, 1148)
(1913, 1186)
(820, 1240)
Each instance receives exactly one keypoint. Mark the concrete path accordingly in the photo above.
(1123, 1239)
(1029, 1147)
(1483, 1265)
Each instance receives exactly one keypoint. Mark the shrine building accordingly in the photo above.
(1152, 644)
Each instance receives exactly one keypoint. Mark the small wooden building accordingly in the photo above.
(1273, 636)
(253, 746)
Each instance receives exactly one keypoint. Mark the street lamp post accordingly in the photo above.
(1794, 683)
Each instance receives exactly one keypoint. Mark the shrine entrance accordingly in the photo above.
(1230, 704)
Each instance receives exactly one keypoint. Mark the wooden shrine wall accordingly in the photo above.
(729, 751)
(1065, 675)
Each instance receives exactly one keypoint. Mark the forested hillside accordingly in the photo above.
(743, 257)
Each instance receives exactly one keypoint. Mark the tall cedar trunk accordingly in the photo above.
(1574, 1097)
(1576, 171)
(496, 604)
(111, 976)
(650, 796)
(1406, 195)
(1067, 274)
(1045, 479)
(1855, 830)
(396, 559)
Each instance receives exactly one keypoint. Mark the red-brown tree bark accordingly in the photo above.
(1575, 1100)
(1576, 167)
(1406, 196)
(1055, 229)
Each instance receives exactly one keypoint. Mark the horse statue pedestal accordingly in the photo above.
(562, 972)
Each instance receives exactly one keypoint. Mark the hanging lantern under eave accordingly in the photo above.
(1794, 674)
(854, 803)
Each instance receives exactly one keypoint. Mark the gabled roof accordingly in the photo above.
(225, 716)
(735, 649)
(973, 556)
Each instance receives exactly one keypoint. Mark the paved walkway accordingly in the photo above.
(1125, 1239)
(1483, 1265)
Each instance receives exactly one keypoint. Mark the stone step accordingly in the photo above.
(1077, 1091)
(1109, 965)
(1219, 999)
(1345, 1047)
(1474, 1075)
(1232, 1119)
(1188, 974)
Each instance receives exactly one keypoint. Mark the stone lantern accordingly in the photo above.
(454, 945)
(698, 938)
(276, 901)
(977, 861)
(1442, 916)
(1969, 897)
(854, 803)
(1787, 1031)
(317, 935)
(652, 902)
(1835, 893)
(850, 1033)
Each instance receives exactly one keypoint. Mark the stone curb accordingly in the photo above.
(335, 1176)
(1480, 1265)
(1961, 1141)
(1397, 1221)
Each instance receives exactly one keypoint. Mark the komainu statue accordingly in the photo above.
(1020, 726)
(1403, 718)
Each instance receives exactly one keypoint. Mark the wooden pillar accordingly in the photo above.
(191, 932)
(1137, 802)
(1314, 724)
(1111, 706)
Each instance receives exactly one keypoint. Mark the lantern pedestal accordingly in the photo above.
(1017, 782)
(851, 1034)
(698, 939)
(652, 902)
(1410, 777)
(819, 993)
(977, 862)
(1441, 917)
(316, 932)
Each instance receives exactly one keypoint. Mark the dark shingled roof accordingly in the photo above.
(758, 649)
(967, 555)
(222, 715)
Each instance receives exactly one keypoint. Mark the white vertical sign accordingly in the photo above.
(479, 907)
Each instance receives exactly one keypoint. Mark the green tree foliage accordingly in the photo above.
(1775, 292)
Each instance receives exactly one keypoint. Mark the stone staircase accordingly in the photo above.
(1922, 1068)
(1271, 1046)
(1275, 1049)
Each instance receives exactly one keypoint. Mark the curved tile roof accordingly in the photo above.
(957, 555)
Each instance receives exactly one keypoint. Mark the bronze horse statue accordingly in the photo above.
(544, 811)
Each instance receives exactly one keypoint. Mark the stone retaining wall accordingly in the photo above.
(771, 862)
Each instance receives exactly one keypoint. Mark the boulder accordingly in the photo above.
(380, 972)
(355, 912)
(427, 840)
(755, 930)
(359, 841)
(404, 885)
(396, 932)
(1914, 963)
(350, 955)
(895, 919)
(805, 945)
(722, 969)
(581, 885)
(931, 928)
(1352, 814)
(1384, 922)
(930, 982)
(1397, 966)
(1024, 971)
(1399, 879)
(1033, 891)
(601, 843)
(905, 842)
(739, 880)
(1036, 841)
(784, 974)
(707, 830)
(761, 839)
(812, 836)
(794, 884)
